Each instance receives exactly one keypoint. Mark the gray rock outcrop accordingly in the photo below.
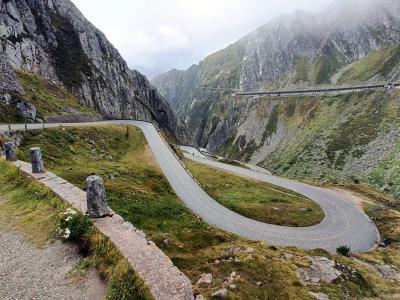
(26, 110)
(52, 39)
(96, 197)
(6, 99)
(9, 83)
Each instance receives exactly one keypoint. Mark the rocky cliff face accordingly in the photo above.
(52, 39)
(319, 137)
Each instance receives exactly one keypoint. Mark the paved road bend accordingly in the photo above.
(343, 224)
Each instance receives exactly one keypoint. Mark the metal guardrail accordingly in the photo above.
(319, 91)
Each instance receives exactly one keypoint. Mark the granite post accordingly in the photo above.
(37, 161)
(96, 197)
(10, 151)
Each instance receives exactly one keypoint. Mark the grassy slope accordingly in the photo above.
(33, 210)
(257, 200)
(325, 134)
(49, 99)
(143, 196)
(301, 68)
(378, 63)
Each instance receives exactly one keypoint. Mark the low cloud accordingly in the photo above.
(155, 36)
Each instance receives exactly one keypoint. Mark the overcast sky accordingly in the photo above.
(155, 36)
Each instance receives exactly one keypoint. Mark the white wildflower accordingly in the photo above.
(67, 233)
(70, 211)
(69, 218)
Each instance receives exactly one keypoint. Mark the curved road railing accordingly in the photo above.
(343, 224)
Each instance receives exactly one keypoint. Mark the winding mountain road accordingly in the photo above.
(343, 224)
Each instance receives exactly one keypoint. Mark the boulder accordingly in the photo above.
(26, 110)
(231, 278)
(222, 293)
(388, 272)
(322, 270)
(6, 99)
(205, 280)
(319, 296)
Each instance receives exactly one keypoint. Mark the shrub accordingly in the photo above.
(74, 226)
(343, 250)
(14, 175)
(39, 191)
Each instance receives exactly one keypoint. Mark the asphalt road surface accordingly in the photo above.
(343, 224)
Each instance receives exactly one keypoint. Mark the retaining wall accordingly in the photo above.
(164, 280)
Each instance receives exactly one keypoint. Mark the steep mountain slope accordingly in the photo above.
(344, 136)
(52, 39)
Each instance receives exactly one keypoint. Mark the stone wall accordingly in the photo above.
(164, 280)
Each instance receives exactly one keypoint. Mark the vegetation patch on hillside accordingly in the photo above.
(257, 200)
(377, 63)
(49, 98)
(301, 67)
(329, 61)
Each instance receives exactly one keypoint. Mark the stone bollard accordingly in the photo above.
(10, 151)
(96, 197)
(37, 161)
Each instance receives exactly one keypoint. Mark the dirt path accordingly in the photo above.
(27, 272)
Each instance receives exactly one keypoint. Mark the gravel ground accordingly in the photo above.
(27, 272)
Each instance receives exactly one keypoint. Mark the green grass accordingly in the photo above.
(34, 210)
(49, 99)
(257, 200)
(301, 67)
(379, 62)
(141, 194)
(9, 114)
(386, 176)
(328, 63)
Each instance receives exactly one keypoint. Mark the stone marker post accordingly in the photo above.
(37, 161)
(10, 151)
(96, 197)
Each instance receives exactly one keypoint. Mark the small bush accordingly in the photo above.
(343, 250)
(13, 175)
(74, 226)
(39, 191)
